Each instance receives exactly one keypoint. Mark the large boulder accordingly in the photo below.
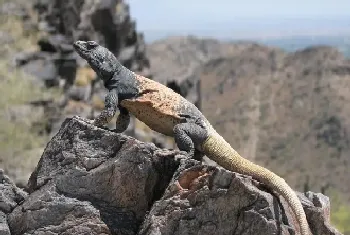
(94, 181)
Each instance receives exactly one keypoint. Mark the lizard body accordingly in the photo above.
(169, 113)
(154, 99)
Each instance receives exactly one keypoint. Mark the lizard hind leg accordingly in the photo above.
(189, 137)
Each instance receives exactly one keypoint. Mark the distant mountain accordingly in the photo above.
(285, 110)
(291, 44)
(290, 34)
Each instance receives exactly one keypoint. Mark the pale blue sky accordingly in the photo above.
(240, 15)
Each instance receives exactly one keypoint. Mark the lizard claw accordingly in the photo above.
(191, 153)
(101, 127)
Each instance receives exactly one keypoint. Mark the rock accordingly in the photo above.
(208, 200)
(67, 68)
(4, 228)
(54, 43)
(318, 213)
(118, 175)
(41, 65)
(105, 21)
(10, 195)
(47, 211)
(105, 29)
(94, 181)
(62, 22)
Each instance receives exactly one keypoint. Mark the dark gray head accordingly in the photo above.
(101, 60)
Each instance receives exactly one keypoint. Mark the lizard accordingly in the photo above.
(167, 112)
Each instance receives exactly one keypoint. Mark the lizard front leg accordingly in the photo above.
(111, 106)
(189, 137)
(111, 102)
(123, 120)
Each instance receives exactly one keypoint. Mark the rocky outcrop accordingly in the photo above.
(63, 22)
(10, 198)
(94, 181)
(60, 23)
(55, 25)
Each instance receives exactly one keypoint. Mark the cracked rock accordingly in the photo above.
(112, 179)
(10, 195)
(94, 181)
(211, 200)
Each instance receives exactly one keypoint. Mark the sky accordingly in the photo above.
(242, 17)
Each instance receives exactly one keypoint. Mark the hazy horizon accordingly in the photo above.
(249, 19)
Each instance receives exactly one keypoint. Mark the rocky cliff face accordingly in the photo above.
(59, 24)
(93, 181)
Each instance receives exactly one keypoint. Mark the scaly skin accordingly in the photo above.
(167, 112)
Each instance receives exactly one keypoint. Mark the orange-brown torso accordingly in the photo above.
(157, 106)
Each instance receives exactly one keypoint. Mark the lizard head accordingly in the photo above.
(101, 60)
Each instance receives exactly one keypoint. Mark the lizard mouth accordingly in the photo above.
(79, 46)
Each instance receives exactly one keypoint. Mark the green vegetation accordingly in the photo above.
(17, 137)
(340, 213)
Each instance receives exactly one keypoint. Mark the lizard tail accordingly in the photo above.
(216, 148)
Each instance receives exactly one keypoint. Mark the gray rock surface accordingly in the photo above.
(41, 66)
(211, 200)
(83, 168)
(10, 197)
(94, 181)
(47, 211)
(105, 21)
(318, 213)
(61, 22)
(4, 228)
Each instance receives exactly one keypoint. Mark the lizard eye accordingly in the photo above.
(91, 45)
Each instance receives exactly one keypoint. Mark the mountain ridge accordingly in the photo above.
(284, 110)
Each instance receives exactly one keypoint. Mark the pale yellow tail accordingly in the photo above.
(217, 149)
